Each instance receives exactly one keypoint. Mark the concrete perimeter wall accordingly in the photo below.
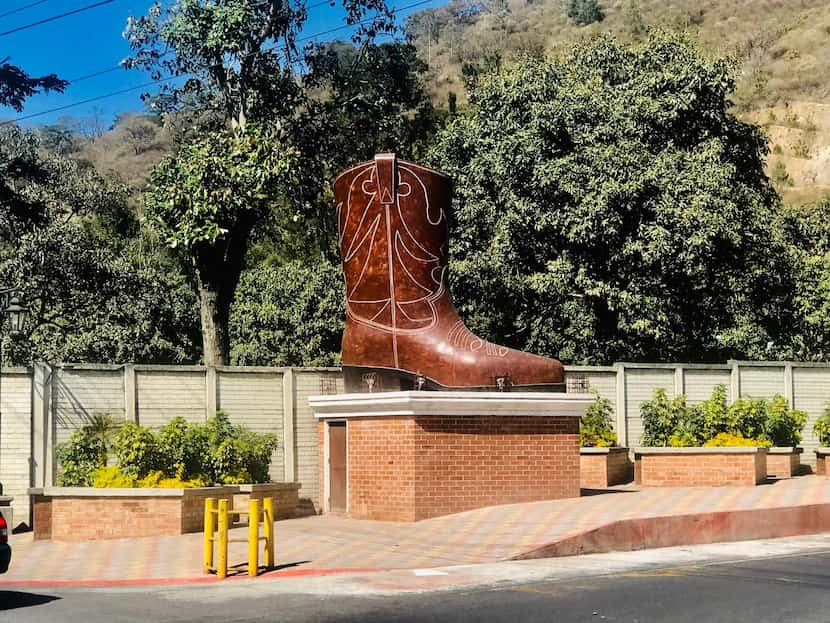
(41, 406)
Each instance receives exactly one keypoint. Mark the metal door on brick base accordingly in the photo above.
(337, 466)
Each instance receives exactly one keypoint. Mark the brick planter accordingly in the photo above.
(600, 468)
(285, 496)
(783, 462)
(822, 454)
(700, 467)
(414, 455)
(86, 513)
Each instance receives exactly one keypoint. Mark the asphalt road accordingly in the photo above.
(794, 588)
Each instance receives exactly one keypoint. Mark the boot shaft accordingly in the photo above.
(393, 239)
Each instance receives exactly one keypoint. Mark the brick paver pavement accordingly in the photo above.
(329, 542)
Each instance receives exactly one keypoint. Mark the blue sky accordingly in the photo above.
(86, 42)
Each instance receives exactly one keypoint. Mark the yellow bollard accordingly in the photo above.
(268, 528)
(222, 564)
(253, 537)
(210, 523)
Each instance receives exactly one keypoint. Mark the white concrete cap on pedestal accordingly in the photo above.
(454, 403)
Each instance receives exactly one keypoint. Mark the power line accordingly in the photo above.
(22, 8)
(56, 17)
(87, 101)
(108, 70)
(148, 84)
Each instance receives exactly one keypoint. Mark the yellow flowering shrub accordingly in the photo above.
(734, 439)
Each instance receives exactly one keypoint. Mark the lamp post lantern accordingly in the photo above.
(15, 312)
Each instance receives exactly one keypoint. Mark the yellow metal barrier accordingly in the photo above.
(216, 531)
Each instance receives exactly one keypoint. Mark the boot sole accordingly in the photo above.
(368, 380)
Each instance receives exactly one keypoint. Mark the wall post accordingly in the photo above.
(622, 411)
(679, 381)
(130, 411)
(789, 394)
(734, 381)
(49, 426)
(40, 423)
(211, 393)
(288, 411)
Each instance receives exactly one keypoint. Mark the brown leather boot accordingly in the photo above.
(402, 330)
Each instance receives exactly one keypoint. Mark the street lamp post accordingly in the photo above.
(12, 317)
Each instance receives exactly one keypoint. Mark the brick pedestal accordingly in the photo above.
(414, 455)
(784, 462)
(699, 467)
(604, 467)
(822, 454)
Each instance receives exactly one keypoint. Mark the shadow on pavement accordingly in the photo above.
(9, 600)
(586, 492)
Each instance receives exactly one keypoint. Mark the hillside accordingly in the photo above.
(782, 46)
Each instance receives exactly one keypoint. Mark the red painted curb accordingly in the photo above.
(202, 579)
(689, 529)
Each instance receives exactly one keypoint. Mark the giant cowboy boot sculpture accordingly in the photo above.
(402, 330)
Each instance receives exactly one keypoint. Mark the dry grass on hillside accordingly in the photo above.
(783, 45)
(134, 146)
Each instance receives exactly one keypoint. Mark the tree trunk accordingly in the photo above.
(218, 268)
(215, 343)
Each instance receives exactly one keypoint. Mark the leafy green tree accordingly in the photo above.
(239, 55)
(288, 315)
(584, 12)
(240, 58)
(361, 101)
(16, 86)
(205, 200)
(805, 231)
(609, 206)
(93, 299)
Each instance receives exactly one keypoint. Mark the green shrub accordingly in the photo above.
(137, 450)
(584, 12)
(670, 422)
(238, 454)
(783, 425)
(79, 457)
(748, 417)
(822, 426)
(715, 412)
(180, 454)
(183, 448)
(596, 428)
(216, 452)
(760, 421)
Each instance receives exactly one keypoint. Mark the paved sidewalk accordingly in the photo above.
(333, 544)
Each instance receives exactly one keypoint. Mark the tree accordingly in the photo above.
(361, 101)
(584, 12)
(288, 315)
(16, 86)
(38, 186)
(239, 56)
(609, 206)
(806, 233)
(95, 292)
(205, 200)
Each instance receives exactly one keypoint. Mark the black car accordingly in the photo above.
(5, 549)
